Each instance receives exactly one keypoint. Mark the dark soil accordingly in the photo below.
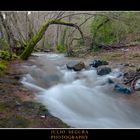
(18, 109)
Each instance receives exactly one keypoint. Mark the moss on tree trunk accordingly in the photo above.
(37, 37)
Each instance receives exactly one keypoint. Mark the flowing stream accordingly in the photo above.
(80, 99)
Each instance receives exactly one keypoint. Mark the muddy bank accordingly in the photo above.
(18, 108)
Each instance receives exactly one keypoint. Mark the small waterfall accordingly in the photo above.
(80, 99)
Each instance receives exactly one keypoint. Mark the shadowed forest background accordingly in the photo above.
(99, 30)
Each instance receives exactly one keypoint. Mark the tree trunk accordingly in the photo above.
(10, 36)
(37, 37)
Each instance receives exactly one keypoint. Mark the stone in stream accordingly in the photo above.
(137, 85)
(122, 89)
(97, 63)
(138, 69)
(119, 87)
(110, 81)
(103, 70)
(75, 65)
(128, 75)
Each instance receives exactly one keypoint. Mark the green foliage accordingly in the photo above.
(21, 44)
(14, 56)
(95, 48)
(4, 55)
(61, 48)
(114, 27)
(104, 34)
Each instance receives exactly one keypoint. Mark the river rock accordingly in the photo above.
(110, 81)
(75, 65)
(138, 69)
(103, 70)
(122, 89)
(97, 63)
(137, 85)
(128, 75)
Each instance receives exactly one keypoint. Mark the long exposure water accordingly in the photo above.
(80, 99)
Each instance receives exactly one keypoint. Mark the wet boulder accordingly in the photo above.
(128, 75)
(138, 69)
(75, 65)
(103, 70)
(97, 63)
(110, 81)
(137, 85)
(122, 89)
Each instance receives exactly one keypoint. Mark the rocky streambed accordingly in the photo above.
(85, 89)
(89, 93)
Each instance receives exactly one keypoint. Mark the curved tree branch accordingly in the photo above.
(38, 36)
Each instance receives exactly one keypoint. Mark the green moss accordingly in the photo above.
(95, 48)
(3, 65)
(14, 56)
(4, 55)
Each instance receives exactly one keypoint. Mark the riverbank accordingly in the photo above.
(18, 108)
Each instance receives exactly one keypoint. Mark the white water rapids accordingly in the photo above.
(80, 99)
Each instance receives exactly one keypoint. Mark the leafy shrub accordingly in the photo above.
(105, 34)
(4, 55)
(60, 48)
(113, 28)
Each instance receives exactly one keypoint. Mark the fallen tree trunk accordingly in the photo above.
(119, 46)
(37, 37)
